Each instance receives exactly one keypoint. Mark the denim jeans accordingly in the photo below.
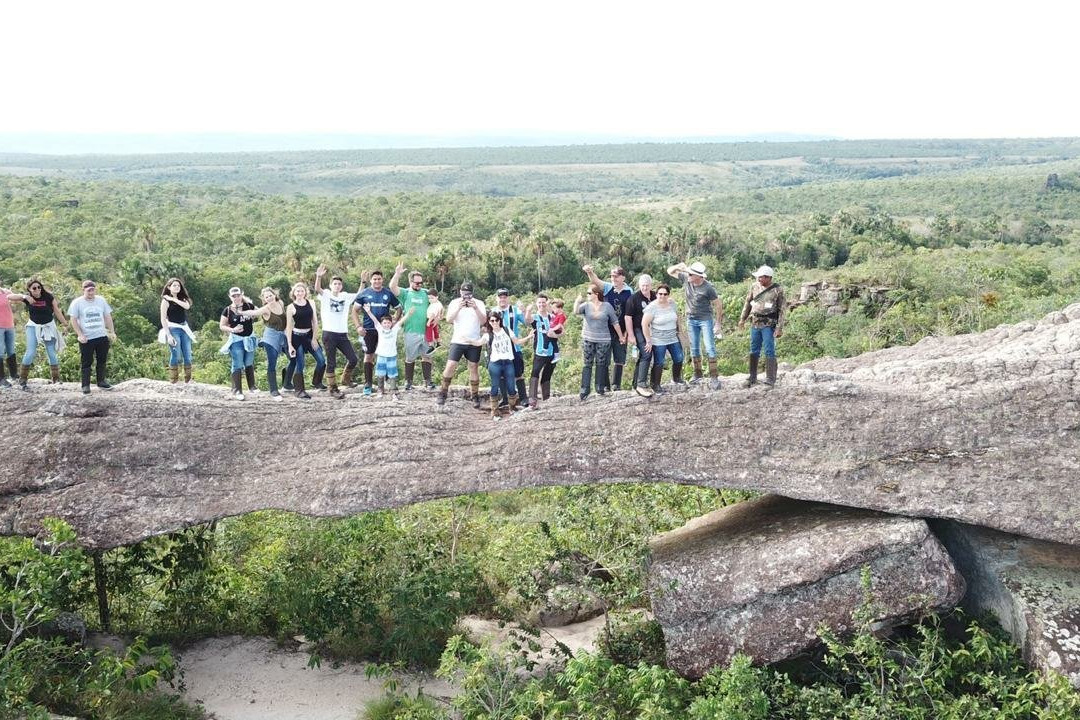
(699, 329)
(301, 348)
(241, 358)
(180, 353)
(7, 342)
(598, 354)
(31, 347)
(502, 377)
(762, 337)
(659, 352)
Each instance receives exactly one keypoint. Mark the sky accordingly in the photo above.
(665, 68)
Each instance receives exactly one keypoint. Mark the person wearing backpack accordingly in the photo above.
(766, 310)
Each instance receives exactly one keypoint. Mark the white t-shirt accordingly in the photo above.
(91, 315)
(335, 311)
(466, 324)
(502, 347)
(387, 346)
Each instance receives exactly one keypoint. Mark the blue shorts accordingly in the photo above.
(386, 366)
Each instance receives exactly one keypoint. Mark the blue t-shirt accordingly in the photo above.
(512, 320)
(381, 303)
(545, 346)
(617, 300)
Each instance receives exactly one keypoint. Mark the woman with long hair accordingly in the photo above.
(500, 344)
(175, 331)
(272, 313)
(660, 326)
(42, 329)
(595, 337)
(302, 336)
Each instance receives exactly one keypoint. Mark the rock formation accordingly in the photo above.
(1031, 587)
(981, 428)
(762, 576)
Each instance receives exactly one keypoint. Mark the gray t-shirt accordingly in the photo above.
(597, 322)
(698, 298)
(91, 315)
(663, 328)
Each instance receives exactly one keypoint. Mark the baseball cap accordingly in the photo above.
(763, 270)
(502, 291)
(466, 286)
(89, 284)
(698, 269)
(235, 291)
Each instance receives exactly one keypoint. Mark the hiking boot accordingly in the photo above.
(104, 385)
(676, 373)
(24, 373)
(174, 374)
(85, 389)
(317, 378)
(753, 360)
(187, 374)
(298, 387)
(770, 371)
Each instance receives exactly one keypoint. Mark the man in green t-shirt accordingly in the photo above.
(415, 297)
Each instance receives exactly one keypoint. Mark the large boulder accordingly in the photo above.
(919, 431)
(761, 577)
(1032, 587)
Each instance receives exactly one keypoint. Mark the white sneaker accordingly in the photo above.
(238, 395)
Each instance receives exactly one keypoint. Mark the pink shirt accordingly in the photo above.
(7, 319)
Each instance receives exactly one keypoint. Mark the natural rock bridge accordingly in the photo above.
(980, 428)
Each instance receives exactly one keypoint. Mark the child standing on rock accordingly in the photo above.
(386, 350)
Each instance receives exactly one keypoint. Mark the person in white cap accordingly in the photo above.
(766, 310)
(702, 302)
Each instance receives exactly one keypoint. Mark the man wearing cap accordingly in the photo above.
(514, 321)
(702, 302)
(91, 318)
(468, 316)
(766, 310)
(616, 294)
(415, 298)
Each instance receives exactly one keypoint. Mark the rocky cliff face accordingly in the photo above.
(982, 428)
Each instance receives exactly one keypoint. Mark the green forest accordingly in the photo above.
(960, 235)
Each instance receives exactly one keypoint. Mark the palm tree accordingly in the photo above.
(296, 249)
(591, 240)
(539, 240)
(341, 252)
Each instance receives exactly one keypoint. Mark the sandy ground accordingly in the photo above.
(242, 678)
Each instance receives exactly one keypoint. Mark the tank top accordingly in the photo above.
(175, 314)
(276, 321)
(302, 316)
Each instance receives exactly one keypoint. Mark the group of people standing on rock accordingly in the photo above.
(614, 317)
(89, 317)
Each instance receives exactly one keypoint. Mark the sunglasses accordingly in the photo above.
(661, 294)
(35, 287)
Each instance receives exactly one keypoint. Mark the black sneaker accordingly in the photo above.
(408, 386)
(85, 389)
(104, 385)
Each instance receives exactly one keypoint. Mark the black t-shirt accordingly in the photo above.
(635, 307)
(41, 310)
(175, 314)
(234, 319)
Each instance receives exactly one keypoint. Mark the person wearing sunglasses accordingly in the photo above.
(660, 326)
(237, 321)
(415, 297)
(616, 294)
(42, 330)
(501, 345)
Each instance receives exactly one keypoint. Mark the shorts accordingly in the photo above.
(431, 335)
(370, 340)
(386, 366)
(470, 352)
(415, 346)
